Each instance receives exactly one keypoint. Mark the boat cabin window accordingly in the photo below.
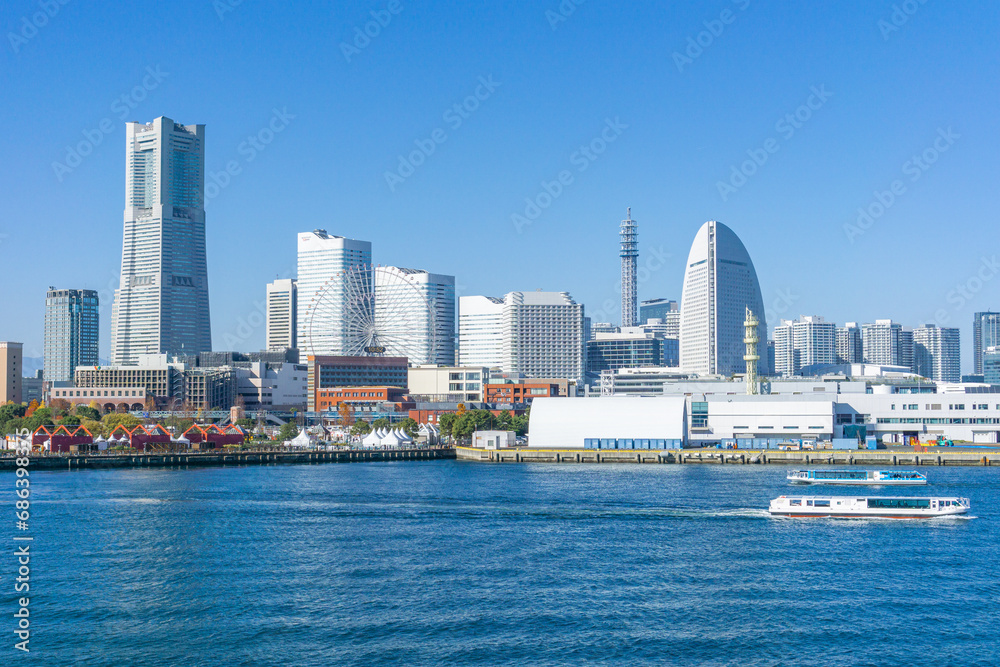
(822, 503)
(795, 501)
(899, 503)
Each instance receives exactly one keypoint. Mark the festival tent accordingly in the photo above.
(301, 441)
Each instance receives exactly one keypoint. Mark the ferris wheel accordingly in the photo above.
(374, 311)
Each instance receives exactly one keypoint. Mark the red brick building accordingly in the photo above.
(522, 392)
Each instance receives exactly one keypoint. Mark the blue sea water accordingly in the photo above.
(446, 562)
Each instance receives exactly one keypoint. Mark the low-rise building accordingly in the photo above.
(447, 383)
(328, 372)
(109, 399)
(517, 393)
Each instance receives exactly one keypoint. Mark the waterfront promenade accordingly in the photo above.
(936, 456)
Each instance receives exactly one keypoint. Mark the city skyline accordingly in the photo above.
(265, 170)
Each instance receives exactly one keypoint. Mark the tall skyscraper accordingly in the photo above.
(161, 305)
(629, 256)
(808, 341)
(281, 321)
(11, 369)
(323, 267)
(937, 353)
(71, 332)
(479, 331)
(720, 283)
(418, 309)
(985, 334)
(849, 348)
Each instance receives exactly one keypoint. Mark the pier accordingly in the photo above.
(882, 458)
(235, 458)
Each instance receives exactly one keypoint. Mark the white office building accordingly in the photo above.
(330, 268)
(449, 384)
(480, 337)
(720, 283)
(415, 310)
(161, 304)
(281, 320)
(937, 353)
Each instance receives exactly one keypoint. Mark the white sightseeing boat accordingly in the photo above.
(857, 477)
(853, 507)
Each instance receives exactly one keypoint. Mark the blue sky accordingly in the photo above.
(677, 118)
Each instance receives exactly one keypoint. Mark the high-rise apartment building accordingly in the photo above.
(808, 341)
(937, 353)
(161, 304)
(71, 332)
(281, 320)
(417, 309)
(479, 331)
(720, 283)
(849, 347)
(11, 369)
(886, 343)
(330, 270)
(985, 334)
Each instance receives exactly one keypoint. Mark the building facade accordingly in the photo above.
(630, 350)
(161, 304)
(849, 346)
(331, 271)
(71, 332)
(720, 283)
(480, 336)
(11, 370)
(281, 314)
(807, 341)
(326, 372)
(985, 334)
(448, 383)
(542, 335)
(416, 309)
(885, 343)
(937, 353)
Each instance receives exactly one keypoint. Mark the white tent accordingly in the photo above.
(101, 443)
(374, 438)
(301, 441)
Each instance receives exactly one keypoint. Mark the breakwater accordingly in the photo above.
(244, 458)
(885, 458)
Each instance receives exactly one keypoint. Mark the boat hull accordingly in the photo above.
(859, 482)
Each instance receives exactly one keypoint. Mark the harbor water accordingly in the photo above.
(452, 562)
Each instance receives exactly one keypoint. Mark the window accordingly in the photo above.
(796, 502)
(822, 503)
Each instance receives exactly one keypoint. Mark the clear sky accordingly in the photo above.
(667, 99)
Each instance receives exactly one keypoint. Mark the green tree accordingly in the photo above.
(380, 423)
(505, 421)
(445, 423)
(520, 424)
(287, 431)
(87, 412)
(40, 417)
(11, 410)
(70, 420)
(409, 426)
(12, 425)
(361, 428)
(245, 423)
(95, 427)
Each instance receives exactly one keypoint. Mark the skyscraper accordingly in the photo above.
(886, 343)
(985, 334)
(807, 341)
(479, 333)
(418, 309)
(281, 305)
(323, 264)
(849, 348)
(937, 353)
(629, 256)
(71, 332)
(161, 305)
(720, 283)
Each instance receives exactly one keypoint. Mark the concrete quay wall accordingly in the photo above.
(183, 459)
(732, 456)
